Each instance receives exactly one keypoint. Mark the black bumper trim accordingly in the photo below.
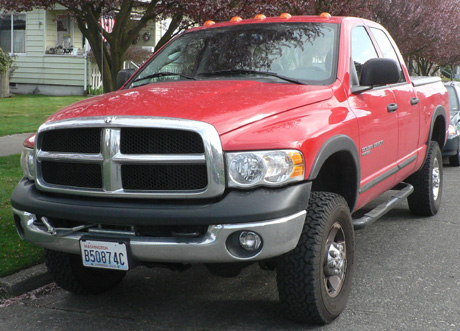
(235, 207)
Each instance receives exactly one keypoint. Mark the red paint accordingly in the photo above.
(252, 115)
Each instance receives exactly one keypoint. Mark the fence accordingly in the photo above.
(96, 77)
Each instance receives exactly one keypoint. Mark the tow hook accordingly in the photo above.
(54, 231)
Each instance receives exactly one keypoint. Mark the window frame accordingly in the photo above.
(403, 78)
(12, 43)
(353, 72)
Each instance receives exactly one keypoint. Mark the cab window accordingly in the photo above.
(362, 50)
(387, 48)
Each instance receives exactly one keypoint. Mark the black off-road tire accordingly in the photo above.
(428, 184)
(70, 274)
(303, 275)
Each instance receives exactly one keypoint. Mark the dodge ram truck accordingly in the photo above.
(252, 140)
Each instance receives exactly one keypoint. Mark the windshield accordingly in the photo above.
(290, 53)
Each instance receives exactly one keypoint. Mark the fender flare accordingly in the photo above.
(439, 111)
(339, 143)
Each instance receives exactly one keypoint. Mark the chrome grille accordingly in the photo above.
(130, 157)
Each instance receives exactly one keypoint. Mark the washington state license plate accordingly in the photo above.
(104, 254)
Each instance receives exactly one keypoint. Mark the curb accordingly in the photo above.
(26, 280)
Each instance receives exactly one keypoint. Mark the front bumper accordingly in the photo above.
(276, 215)
(279, 237)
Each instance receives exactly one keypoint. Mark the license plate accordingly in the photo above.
(104, 254)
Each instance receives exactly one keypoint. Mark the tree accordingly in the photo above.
(426, 31)
(182, 14)
(417, 25)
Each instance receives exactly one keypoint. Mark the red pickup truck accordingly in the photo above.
(245, 141)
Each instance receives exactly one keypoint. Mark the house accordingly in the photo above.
(50, 52)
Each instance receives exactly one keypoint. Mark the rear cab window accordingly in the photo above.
(387, 49)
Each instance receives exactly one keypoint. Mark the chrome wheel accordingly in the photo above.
(335, 263)
(436, 179)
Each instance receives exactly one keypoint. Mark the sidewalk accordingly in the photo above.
(12, 144)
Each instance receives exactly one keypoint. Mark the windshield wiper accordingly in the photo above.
(162, 74)
(247, 71)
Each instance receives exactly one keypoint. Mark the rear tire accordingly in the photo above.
(314, 279)
(70, 274)
(428, 184)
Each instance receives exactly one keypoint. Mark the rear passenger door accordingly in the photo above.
(407, 108)
(378, 126)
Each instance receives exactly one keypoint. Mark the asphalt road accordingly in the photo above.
(407, 277)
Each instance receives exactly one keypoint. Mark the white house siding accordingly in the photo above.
(42, 73)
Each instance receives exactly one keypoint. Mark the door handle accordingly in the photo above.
(414, 101)
(392, 107)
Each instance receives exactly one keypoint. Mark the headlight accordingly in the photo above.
(27, 163)
(452, 130)
(269, 168)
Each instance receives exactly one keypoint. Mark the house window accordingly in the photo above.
(13, 33)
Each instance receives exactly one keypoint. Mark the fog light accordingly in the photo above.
(250, 240)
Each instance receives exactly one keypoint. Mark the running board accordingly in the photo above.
(370, 217)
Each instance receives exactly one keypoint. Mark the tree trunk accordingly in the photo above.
(5, 84)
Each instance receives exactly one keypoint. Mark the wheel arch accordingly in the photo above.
(337, 169)
(438, 126)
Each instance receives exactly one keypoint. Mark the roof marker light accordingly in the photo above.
(209, 23)
(285, 16)
(236, 19)
(325, 15)
(260, 17)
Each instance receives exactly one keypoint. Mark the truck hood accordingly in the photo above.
(226, 104)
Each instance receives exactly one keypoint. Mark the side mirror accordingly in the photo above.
(123, 76)
(380, 71)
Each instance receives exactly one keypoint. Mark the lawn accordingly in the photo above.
(15, 254)
(25, 113)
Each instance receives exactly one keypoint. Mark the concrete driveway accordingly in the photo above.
(12, 144)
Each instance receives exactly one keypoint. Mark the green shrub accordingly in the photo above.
(95, 91)
(6, 62)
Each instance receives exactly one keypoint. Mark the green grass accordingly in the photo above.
(15, 254)
(25, 113)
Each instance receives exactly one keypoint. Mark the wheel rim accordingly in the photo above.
(335, 263)
(435, 179)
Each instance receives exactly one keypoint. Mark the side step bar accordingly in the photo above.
(370, 217)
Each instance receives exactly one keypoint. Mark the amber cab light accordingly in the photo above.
(260, 17)
(325, 15)
(209, 23)
(285, 16)
(236, 19)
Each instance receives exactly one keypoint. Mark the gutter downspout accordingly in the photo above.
(85, 84)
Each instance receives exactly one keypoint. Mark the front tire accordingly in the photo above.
(70, 274)
(428, 184)
(314, 279)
